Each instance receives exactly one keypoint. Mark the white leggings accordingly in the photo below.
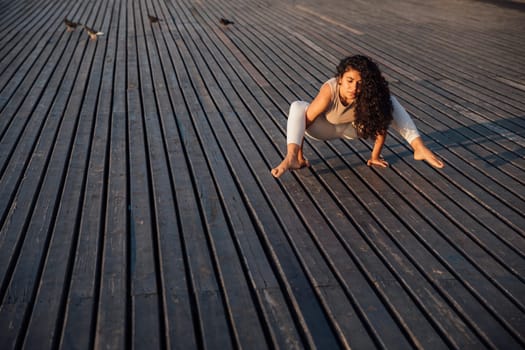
(322, 129)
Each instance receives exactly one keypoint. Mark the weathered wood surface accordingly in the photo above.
(137, 208)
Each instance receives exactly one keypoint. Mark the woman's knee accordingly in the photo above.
(402, 122)
(396, 106)
(393, 99)
(298, 107)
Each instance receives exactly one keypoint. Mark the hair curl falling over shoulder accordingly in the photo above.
(373, 109)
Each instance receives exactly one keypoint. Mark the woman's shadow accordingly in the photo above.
(497, 142)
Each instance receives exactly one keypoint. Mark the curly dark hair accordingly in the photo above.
(373, 108)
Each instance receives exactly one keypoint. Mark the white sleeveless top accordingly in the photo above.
(337, 113)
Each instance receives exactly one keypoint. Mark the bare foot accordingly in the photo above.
(289, 163)
(423, 153)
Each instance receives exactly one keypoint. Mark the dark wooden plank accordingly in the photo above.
(236, 132)
(146, 290)
(211, 315)
(80, 308)
(111, 296)
(182, 325)
(430, 63)
(284, 331)
(15, 9)
(44, 136)
(43, 327)
(356, 214)
(17, 43)
(50, 303)
(478, 124)
(174, 256)
(479, 258)
(213, 119)
(441, 61)
(458, 134)
(41, 215)
(237, 292)
(32, 127)
(137, 208)
(225, 192)
(507, 189)
(455, 129)
(181, 330)
(208, 80)
(24, 103)
(25, 65)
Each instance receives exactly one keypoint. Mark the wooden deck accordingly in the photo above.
(137, 209)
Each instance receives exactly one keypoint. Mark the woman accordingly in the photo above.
(355, 103)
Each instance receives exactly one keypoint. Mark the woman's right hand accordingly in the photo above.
(380, 162)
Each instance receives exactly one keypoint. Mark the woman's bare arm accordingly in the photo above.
(319, 104)
(375, 158)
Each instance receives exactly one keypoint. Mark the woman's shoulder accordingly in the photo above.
(332, 83)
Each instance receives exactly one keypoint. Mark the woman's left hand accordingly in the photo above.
(377, 162)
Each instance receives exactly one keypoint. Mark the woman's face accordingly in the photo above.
(349, 86)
